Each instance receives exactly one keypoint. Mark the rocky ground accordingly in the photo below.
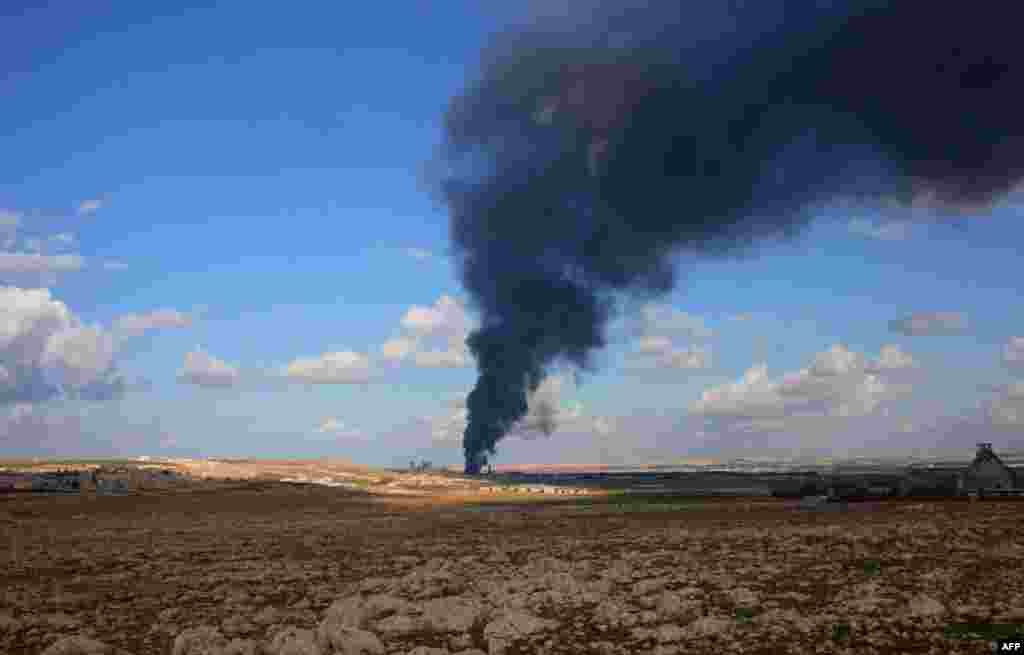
(262, 567)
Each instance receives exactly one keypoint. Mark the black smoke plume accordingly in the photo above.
(593, 149)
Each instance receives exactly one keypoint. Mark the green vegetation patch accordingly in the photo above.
(841, 632)
(745, 614)
(987, 631)
(872, 567)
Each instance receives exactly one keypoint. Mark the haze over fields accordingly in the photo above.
(221, 235)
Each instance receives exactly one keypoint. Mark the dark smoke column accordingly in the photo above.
(586, 156)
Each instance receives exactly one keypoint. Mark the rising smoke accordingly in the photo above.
(596, 146)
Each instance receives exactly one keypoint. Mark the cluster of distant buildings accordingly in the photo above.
(104, 481)
(986, 475)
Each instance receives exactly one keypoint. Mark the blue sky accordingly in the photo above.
(246, 184)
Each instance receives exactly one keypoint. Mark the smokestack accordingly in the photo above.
(581, 161)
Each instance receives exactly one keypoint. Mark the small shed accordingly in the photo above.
(988, 472)
(112, 486)
(114, 481)
(58, 482)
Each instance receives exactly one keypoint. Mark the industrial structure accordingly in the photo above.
(986, 475)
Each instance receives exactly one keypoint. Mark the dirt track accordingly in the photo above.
(253, 559)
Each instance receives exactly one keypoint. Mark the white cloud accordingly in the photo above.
(450, 427)
(891, 358)
(839, 384)
(604, 426)
(336, 428)
(344, 367)
(880, 231)
(837, 361)
(35, 259)
(1013, 352)
(79, 355)
(434, 337)
(655, 329)
(654, 345)
(46, 351)
(91, 206)
(693, 358)
(441, 359)
(658, 353)
(446, 317)
(664, 320)
(203, 370)
(398, 348)
(1007, 410)
(419, 254)
(935, 323)
(136, 324)
(754, 395)
(17, 262)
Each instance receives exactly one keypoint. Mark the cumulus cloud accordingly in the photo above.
(36, 252)
(1007, 410)
(604, 426)
(79, 355)
(1013, 352)
(91, 206)
(935, 323)
(432, 337)
(201, 369)
(343, 367)
(692, 358)
(664, 320)
(47, 352)
(446, 317)
(451, 358)
(838, 384)
(891, 358)
(654, 345)
(398, 349)
(334, 427)
(133, 325)
(880, 230)
(655, 330)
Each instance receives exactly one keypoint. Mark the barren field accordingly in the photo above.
(266, 567)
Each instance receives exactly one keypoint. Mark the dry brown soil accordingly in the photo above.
(714, 576)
